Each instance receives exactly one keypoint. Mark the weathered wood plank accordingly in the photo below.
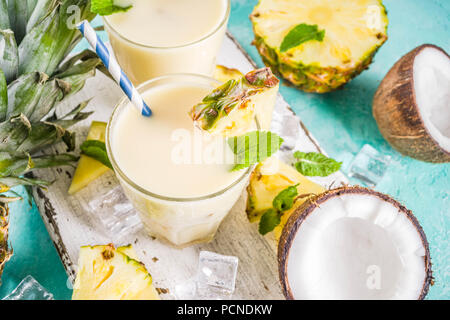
(70, 226)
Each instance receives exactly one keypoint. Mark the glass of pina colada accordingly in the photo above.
(176, 176)
(158, 37)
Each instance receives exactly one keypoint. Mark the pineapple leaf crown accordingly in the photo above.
(35, 75)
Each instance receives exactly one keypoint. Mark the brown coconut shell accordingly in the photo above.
(295, 221)
(397, 115)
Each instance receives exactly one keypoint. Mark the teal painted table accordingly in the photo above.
(341, 121)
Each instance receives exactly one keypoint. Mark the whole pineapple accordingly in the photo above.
(4, 252)
(319, 45)
(35, 38)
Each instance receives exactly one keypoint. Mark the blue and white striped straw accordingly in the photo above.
(113, 67)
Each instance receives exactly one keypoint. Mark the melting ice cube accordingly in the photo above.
(216, 275)
(29, 289)
(369, 166)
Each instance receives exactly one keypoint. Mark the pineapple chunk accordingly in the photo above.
(108, 274)
(224, 74)
(128, 251)
(264, 105)
(89, 169)
(230, 109)
(267, 180)
(264, 102)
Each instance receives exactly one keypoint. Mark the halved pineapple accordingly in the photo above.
(230, 109)
(89, 169)
(354, 30)
(267, 180)
(106, 273)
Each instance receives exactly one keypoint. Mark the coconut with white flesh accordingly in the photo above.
(412, 105)
(353, 243)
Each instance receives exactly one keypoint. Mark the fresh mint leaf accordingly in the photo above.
(96, 150)
(107, 7)
(269, 220)
(285, 199)
(253, 147)
(300, 34)
(315, 164)
(281, 203)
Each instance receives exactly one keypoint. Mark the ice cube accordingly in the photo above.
(368, 166)
(106, 202)
(115, 212)
(216, 276)
(186, 290)
(29, 289)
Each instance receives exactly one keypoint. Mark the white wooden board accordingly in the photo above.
(71, 227)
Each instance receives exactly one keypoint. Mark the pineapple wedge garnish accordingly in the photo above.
(106, 273)
(230, 109)
(267, 180)
(342, 39)
(89, 169)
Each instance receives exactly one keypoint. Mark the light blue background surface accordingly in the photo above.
(341, 121)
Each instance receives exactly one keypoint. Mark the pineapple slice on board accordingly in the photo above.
(267, 180)
(89, 169)
(106, 273)
(353, 32)
(231, 108)
(128, 251)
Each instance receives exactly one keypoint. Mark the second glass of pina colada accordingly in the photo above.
(158, 37)
(176, 175)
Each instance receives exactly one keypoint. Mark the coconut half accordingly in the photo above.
(353, 243)
(412, 105)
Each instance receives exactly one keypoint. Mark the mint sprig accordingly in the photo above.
(253, 147)
(96, 150)
(281, 203)
(107, 7)
(300, 34)
(269, 220)
(285, 199)
(315, 164)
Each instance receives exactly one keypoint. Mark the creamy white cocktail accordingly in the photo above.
(157, 37)
(177, 176)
